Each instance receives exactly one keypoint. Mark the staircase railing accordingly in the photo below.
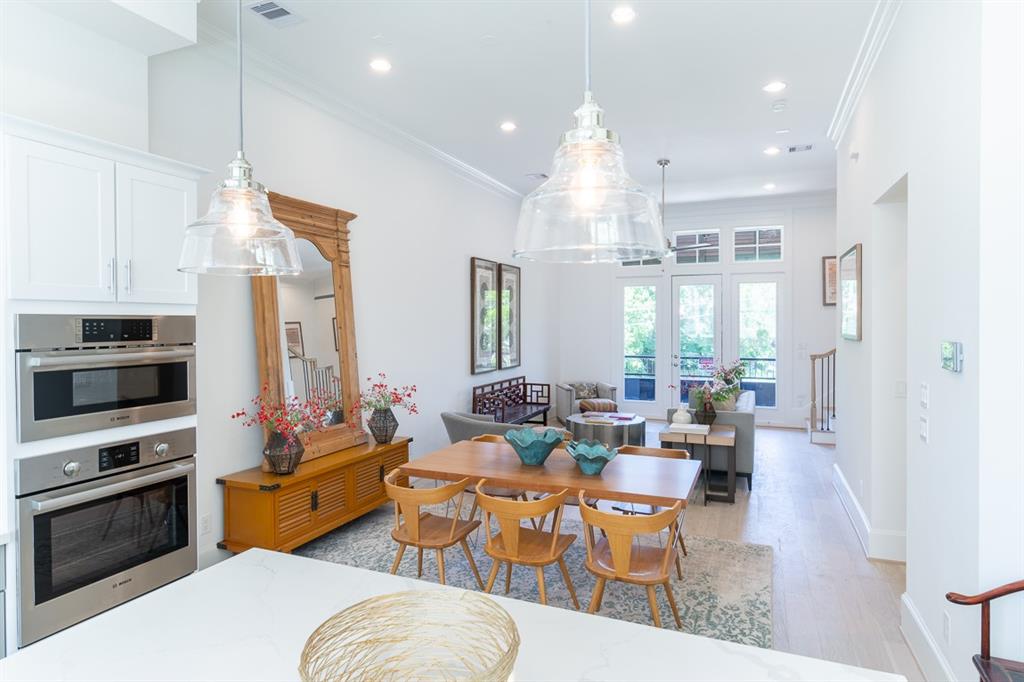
(316, 380)
(823, 390)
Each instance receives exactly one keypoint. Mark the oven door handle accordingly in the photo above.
(49, 504)
(109, 358)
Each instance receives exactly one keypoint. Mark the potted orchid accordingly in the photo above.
(379, 400)
(718, 393)
(284, 422)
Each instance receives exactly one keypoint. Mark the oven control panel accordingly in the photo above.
(100, 329)
(72, 467)
(117, 456)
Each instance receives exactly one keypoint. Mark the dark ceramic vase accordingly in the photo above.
(706, 414)
(383, 425)
(283, 454)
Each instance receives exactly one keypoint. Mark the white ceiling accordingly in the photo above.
(683, 81)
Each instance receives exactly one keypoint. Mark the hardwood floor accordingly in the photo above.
(830, 601)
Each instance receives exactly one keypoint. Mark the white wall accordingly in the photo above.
(588, 295)
(56, 72)
(964, 524)
(418, 225)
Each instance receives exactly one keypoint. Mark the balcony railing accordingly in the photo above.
(694, 370)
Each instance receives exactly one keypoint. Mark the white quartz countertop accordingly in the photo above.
(248, 618)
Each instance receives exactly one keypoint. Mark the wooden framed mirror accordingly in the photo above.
(305, 326)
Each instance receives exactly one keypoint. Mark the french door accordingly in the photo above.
(697, 333)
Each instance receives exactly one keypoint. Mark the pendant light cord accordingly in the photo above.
(238, 31)
(586, 45)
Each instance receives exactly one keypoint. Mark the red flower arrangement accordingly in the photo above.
(289, 418)
(381, 396)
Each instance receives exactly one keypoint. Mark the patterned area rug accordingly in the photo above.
(725, 593)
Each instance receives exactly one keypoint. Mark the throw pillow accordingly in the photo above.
(585, 390)
(597, 405)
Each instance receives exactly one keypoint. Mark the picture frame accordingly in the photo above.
(483, 315)
(509, 318)
(829, 280)
(293, 338)
(851, 294)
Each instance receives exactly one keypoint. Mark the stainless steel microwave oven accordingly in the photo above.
(78, 374)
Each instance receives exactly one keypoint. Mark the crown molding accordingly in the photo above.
(882, 19)
(260, 66)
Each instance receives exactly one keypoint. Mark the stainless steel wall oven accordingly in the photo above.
(100, 525)
(78, 374)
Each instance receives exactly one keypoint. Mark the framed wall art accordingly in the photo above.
(483, 305)
(851, 293)
(829, 280)
(509, 325)
(293, 337)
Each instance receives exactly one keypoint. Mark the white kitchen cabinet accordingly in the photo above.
(62, 232)
(152, 212)
(92, 221)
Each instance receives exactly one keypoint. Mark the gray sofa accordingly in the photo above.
(567, 403)
(743, 419)
(464, 425)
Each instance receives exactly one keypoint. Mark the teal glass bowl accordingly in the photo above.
(533, 447)
(591, 456)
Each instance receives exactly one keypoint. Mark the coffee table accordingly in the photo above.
(619, 432)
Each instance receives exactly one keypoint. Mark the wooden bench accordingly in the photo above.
(513, 401)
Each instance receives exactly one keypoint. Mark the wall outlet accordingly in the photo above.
(204, 524)
(924, 428)
(945, 627)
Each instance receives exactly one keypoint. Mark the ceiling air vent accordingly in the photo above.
(801, 148)
(275, 14)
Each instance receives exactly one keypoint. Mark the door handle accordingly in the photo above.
(48, 504)
(113, 359)
(128, 276)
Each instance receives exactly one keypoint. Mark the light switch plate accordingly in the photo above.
(901, 389)
(924, 428)
(924, 395)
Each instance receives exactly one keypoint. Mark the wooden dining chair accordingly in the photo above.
(514, 543)
(496, 491)
(617, 555)
(648, 509)
(424, 530)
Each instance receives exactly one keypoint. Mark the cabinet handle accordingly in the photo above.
(381, 471)
(128, 276)
(314, 501)
(111, 274)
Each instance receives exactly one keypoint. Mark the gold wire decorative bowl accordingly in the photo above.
(422, 635)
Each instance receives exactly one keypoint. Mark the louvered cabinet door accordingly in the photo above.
(294, 511)
(331, 494)
(369, 485)
(393, 460)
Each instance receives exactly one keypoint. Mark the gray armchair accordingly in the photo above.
(743, 419)
(463, 425)
(566, 402)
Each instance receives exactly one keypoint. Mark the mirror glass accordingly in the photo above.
(309, 331)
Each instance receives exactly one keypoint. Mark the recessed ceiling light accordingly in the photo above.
(772, 151)
(380, 65)
(769, 186)
(774, 86)
(508, 126)
(623, 14)
(782, 131)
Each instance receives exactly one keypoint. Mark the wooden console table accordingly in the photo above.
(281, 512)
(720, 434)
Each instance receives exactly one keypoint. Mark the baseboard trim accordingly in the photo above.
(922, 645)
(877, 543)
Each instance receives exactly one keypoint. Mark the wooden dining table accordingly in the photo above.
(643, 479)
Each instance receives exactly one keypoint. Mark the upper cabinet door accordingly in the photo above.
(153, 210)
(61, 209)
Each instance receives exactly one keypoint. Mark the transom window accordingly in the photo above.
(696, 246)
(757, 243)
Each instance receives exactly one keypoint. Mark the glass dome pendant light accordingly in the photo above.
(589, 210)
(239, 235)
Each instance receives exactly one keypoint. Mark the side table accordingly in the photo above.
(720, 434)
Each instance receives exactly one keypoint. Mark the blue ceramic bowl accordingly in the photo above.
(533, 447)
(591, 456)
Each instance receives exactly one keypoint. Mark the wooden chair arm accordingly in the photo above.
(996, 593)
